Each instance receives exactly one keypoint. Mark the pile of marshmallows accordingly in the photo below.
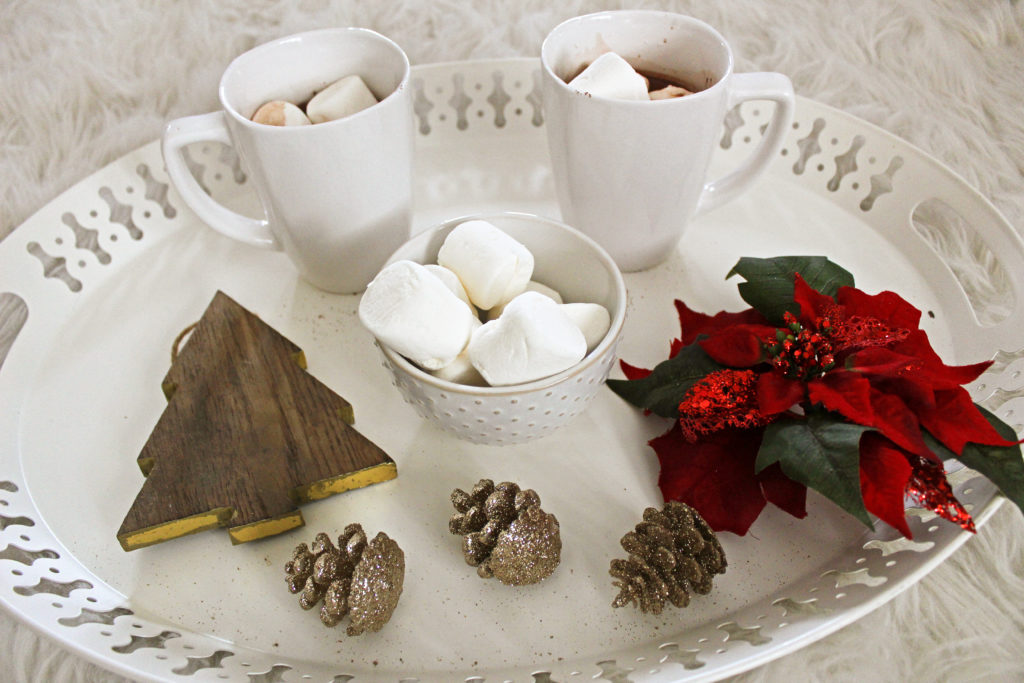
(612, 76)
(476, 317)
(342, 98)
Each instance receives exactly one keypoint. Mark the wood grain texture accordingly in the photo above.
(247, 436)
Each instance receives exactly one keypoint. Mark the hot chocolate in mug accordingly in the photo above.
(337, 196)
(632, 173)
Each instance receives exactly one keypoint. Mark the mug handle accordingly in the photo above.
(210, 127)
(753, 86)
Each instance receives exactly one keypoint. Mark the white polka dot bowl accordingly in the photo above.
(574, 266)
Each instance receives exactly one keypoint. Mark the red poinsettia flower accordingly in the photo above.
(852, 359)
(865, 358)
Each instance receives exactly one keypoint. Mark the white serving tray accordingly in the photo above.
(96, 285)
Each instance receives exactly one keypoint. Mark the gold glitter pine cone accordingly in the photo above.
(359, 579)
(671, 553)
(505, 532)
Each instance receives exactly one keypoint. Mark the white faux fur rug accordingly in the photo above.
(82, 83)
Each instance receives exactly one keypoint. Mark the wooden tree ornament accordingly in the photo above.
(247, 436)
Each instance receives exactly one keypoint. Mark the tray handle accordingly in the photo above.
(994, 231)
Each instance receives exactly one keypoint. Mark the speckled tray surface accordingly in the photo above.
(97, 284)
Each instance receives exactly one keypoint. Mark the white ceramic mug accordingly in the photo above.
(631, 174)
(337, 196)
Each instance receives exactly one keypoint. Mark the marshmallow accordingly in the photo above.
(340, 99)
(280, 113)
(532, 339)
(611, 76)
(461, 370)
(451, 281)
(531, 286)
(492, 266)
(413, 312)
(669, 92)
(592, 319)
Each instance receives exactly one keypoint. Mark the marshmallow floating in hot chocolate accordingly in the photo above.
(342, 98)
(492, 266)
(669, 92)
(532, 339)
(611, 76)
(280, 113)
(412, 311)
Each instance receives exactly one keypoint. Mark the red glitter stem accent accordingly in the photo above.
(929, 487)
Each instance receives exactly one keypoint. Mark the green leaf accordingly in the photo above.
(663, 390)
(821, 452)
(1002, 465)
(769, 281)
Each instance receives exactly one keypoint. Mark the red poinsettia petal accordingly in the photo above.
(887, 306)
(881, 361)
(783, 492)
(737, 346)
(915, 394)
(846, 393)
(911, 370)
(884, 474)
(898, 423)
(674, 347)
(715, 476)
(777, 394)
(955, 421)
(632, 372)
(692, 324)
(813, 304)
(932, 370)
